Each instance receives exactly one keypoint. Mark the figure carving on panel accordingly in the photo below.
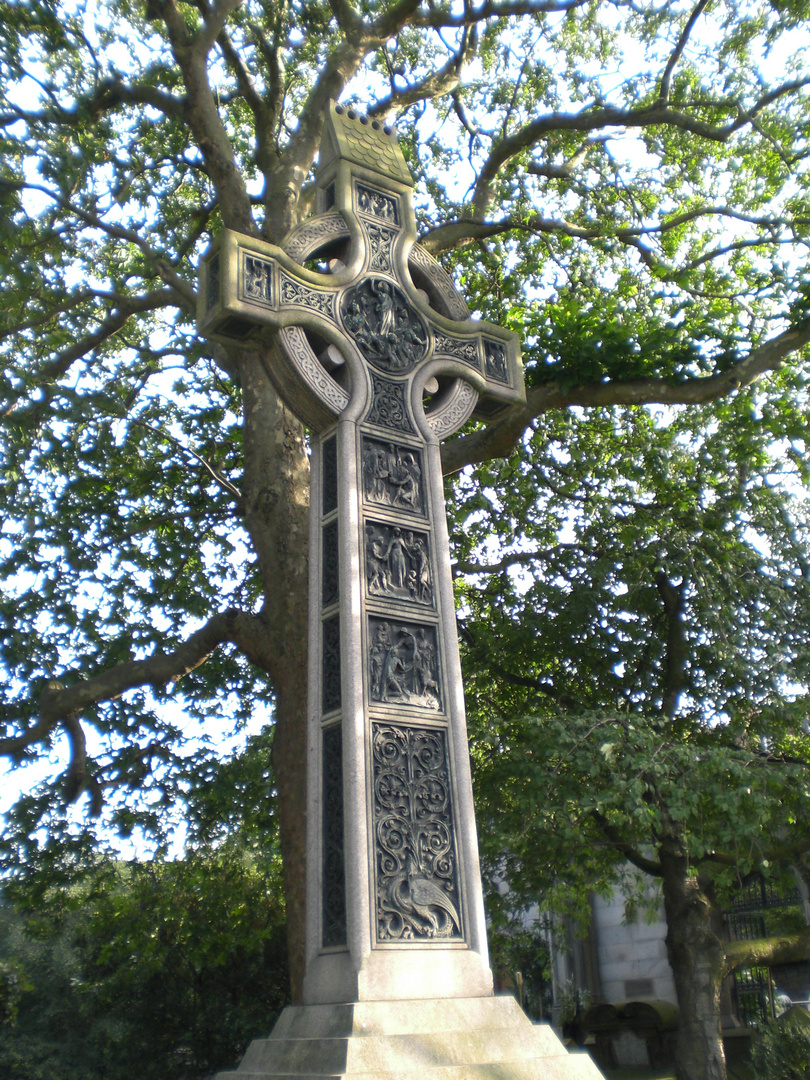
(376, 204)
(495, 355)
(402, 665)
(397, 564)
(397, 558)
(406, 476)
(256, 279)
(387, 330)
(424, 665)
(419, 556)
(377, 656)
(392, 476)
(376, 569)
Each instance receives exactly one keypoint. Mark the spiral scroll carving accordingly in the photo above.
(418, 894)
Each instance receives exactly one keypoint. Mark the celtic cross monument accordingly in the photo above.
(374, 349)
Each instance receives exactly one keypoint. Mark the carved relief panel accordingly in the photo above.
(398, 564)
(416, 864)
(378, 204)
(403, 665)
(257, 280)
(380, 246)
(388, 408)
(333, 897)
(393, 476)
(495, 359)
(295, 294)
(384, 325)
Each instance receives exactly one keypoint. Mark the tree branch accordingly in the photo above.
(499, 438)
(347, 18)
(216, 476)
(396, 18)
(191, 54)
(125, 307)
(185, 295)
(458, 234)
(647, 866)
(438, 83)
(243, 80)
(594, 119)
(676, 651)
(62, 705)
(677, 52)
(215, 18)
(439, 18)
(514, 558)
(284, 181)
(766, 952)
(108, 95)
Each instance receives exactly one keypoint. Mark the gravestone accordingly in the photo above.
(372, 346)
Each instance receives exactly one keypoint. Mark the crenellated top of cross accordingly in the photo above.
(354, 139)
(365, 324)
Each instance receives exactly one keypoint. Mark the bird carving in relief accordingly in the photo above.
(425, 896)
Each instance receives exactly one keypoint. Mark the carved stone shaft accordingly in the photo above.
(379, 357)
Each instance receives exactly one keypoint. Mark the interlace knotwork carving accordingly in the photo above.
(334, 870)
(452, 303)
(457, 347)
(257, 280)
(377, 204)
(293, 292)
(329, 474)
(418, 895)
(380, 242)
(392, 476)
(398, 563)
(386, 328)
(402, 664)
(388, 407)
(295, 345)
(330, 670)
(454, 411)
(329, 564)
(313, 234)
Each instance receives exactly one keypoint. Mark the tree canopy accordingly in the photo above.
(173, 965)
(623, 183)
(667, 740)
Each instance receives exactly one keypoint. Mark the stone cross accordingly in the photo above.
(376, 352)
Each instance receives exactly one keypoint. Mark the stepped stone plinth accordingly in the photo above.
(486, 1038)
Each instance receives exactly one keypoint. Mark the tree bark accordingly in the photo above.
(767, 952)
(696, 955)
(276, 499)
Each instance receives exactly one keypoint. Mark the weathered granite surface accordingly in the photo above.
(485, 1038)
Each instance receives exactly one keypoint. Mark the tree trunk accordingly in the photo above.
(276, 500)
(696, 957)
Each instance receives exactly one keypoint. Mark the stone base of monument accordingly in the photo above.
(438, 1039)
